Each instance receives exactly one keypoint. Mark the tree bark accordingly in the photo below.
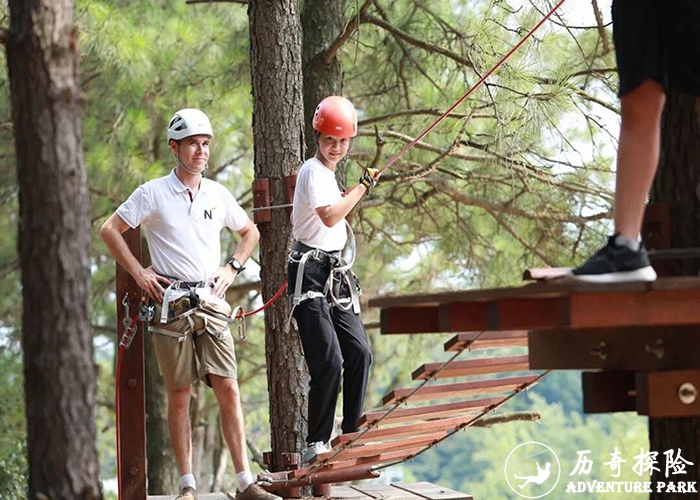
(279, 142)
(678, 184)
(54, 231)
(321, 22)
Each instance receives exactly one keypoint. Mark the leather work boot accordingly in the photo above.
(253, 492)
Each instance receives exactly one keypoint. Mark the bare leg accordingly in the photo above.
(638, 154)
(227, 394)
(179, 427)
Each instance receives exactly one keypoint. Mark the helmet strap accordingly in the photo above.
(190, 170)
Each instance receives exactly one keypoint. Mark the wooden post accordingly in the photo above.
(131, 383)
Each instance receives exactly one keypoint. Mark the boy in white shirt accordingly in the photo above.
(325, 304)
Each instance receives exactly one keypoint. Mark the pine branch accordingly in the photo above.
(429, 47)
(527, 416)
(347, 33)
(242, 2)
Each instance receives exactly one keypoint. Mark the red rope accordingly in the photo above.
(243, 314)
(466, 94)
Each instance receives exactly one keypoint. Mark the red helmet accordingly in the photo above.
(335, 115)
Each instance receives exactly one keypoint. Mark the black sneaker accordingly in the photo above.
(616, 263)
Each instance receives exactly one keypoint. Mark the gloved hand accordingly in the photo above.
(369, 178)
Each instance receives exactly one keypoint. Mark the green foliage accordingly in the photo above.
(13, 459)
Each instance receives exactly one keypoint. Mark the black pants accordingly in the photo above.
(334, 341)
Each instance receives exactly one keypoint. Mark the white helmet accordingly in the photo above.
(188, 122)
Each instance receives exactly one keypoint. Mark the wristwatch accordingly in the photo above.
(236, 265)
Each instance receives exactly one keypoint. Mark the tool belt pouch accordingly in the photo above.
(215, 324)
(180, 327)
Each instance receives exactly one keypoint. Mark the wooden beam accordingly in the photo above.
(668, 394)
(463, 389)
(132, 382)
(487, 340)
(607, 392)
(431, 412)
(668, 301)
(633, 349)
(472, 367)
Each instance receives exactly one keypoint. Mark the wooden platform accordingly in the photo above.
(399, 491)
(645, 337)
(562, 304)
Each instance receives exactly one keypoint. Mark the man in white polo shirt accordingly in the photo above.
(183, 215)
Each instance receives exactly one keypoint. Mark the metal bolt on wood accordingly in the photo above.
(657, 349)
(601, 351)
(687, 393)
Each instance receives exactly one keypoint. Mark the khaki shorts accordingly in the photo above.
(207, 348)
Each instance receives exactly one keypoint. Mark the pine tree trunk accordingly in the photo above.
(279, 141)
(54, 242)
(678, 184)
(322, 23)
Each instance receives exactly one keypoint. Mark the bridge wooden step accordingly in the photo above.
(472, 367)
(459, 390)
(431, 412)
(418, 429)
(487, 340)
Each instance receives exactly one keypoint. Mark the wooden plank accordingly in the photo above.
(132, 382)
(431, 412)
(487, 340)
(410, 320)
(656, 307)
(632, 349)
(667, 301)
(472, 367)
(341, 492)
(463, 389)
(386, 492)
(607, 392)
(371, 449)
(401, 431)
(430, 491)
(658, 393)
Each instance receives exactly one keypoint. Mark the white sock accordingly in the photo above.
(244, 479)
(624, 241)
(188, 480)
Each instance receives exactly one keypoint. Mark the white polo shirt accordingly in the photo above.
(316, 187)
(183, 234)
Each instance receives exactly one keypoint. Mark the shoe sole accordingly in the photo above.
(643, 274)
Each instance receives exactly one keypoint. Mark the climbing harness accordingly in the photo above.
(340, 274)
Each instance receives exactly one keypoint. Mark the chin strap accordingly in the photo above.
(188, 169)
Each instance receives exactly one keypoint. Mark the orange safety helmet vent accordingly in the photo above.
(335, 115)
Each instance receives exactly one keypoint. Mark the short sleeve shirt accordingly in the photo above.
(183, 233)
(316, 187)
